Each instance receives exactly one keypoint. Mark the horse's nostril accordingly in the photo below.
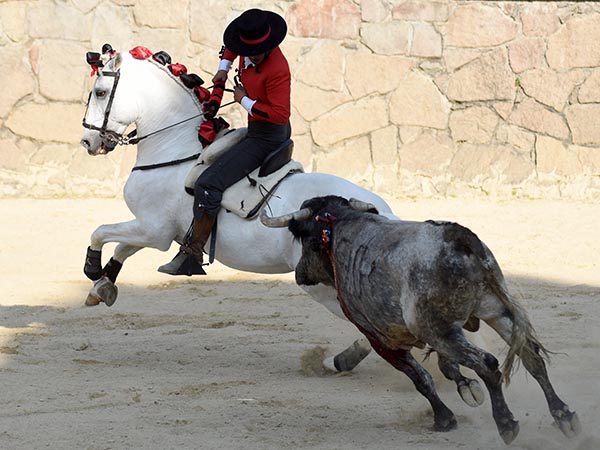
(85, 143)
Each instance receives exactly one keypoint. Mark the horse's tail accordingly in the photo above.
(523, 338)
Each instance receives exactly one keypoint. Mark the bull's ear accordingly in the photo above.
(118, 60)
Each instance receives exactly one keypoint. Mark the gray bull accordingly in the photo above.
(406, 284)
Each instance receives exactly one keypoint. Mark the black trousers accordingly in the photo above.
(240, 160)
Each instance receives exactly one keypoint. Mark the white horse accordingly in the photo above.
(129, 90)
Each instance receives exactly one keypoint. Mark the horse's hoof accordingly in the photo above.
(103, 290)
(471, 393)
(509, 431)
(569, 424)
(92, 300)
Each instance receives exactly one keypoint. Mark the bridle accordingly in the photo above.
(111, 138)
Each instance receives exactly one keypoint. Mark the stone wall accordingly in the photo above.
(407, 97)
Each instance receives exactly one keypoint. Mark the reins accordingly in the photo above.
(113, 138)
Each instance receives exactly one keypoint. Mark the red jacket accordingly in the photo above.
(269, 84)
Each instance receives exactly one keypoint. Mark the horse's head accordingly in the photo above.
(110, 109)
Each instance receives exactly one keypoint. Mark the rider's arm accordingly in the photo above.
(227, 60)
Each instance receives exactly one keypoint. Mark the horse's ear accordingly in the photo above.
(118, 60)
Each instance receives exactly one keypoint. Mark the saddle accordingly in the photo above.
(247, 197)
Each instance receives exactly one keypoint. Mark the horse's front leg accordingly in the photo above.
(104, 289)
(132, 237)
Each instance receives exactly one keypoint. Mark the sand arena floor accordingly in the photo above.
(216, 362)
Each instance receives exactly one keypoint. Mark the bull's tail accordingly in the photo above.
(523, 337)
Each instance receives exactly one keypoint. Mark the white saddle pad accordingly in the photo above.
(244, 198)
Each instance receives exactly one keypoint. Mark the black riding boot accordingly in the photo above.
(189, 259)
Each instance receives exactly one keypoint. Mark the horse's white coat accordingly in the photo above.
(149, 96)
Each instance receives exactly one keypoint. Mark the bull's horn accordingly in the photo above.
(283, 221)
(359, 205)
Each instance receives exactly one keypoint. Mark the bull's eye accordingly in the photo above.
(100, 93)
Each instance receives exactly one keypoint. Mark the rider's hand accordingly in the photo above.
(221, 75)
(239, 92)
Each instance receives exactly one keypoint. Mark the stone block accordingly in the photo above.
(576, 44)
(475, 124)
(583, 121)
(455, 57)
(487, 78)
(161, 13)
(208, 31)
(10, 156)
(539, 18)
(526, 53)
(473, 162)
(15, 77)
(303, 151)
(417, 101)
(350, 120)
(531, 115)
(388, 38)
(516, 137)
(589, 158)
(384, 74)
(62, 70)
(55, 155)
(384, 146)
(350, 160)
(421, 10)
(427, 155)
(13, 20)
(114, 25)
(329, 19)
(85, 6)
(322, 66)
(553, 157)
(478, 25)
(374, 10)
(312, 102)
(513, 167)
(386, 180)
(174, 42)
(549, 87)
(426, 41)
(66, 22)
(53, 122)
(92, 167)
(589, 91)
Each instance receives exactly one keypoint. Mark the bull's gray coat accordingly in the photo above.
(406, 284)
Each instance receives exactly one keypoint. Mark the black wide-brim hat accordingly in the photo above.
(255, 32)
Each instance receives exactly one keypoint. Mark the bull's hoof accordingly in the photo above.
(471, 393)
(509, 431)
(104, 291)
(569, 424)
(445, 424)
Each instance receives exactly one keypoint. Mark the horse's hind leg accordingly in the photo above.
(444, 419)
(468, 389)
(456, 347)
(567, 421)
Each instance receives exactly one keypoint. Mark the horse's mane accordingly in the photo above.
(161, 66)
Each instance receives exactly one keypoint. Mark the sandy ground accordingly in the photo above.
(216, 362)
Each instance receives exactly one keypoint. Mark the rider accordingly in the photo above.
(264, 93)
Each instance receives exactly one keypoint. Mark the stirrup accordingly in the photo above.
(183, 264)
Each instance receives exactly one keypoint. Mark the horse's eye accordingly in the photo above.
(100, 93)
